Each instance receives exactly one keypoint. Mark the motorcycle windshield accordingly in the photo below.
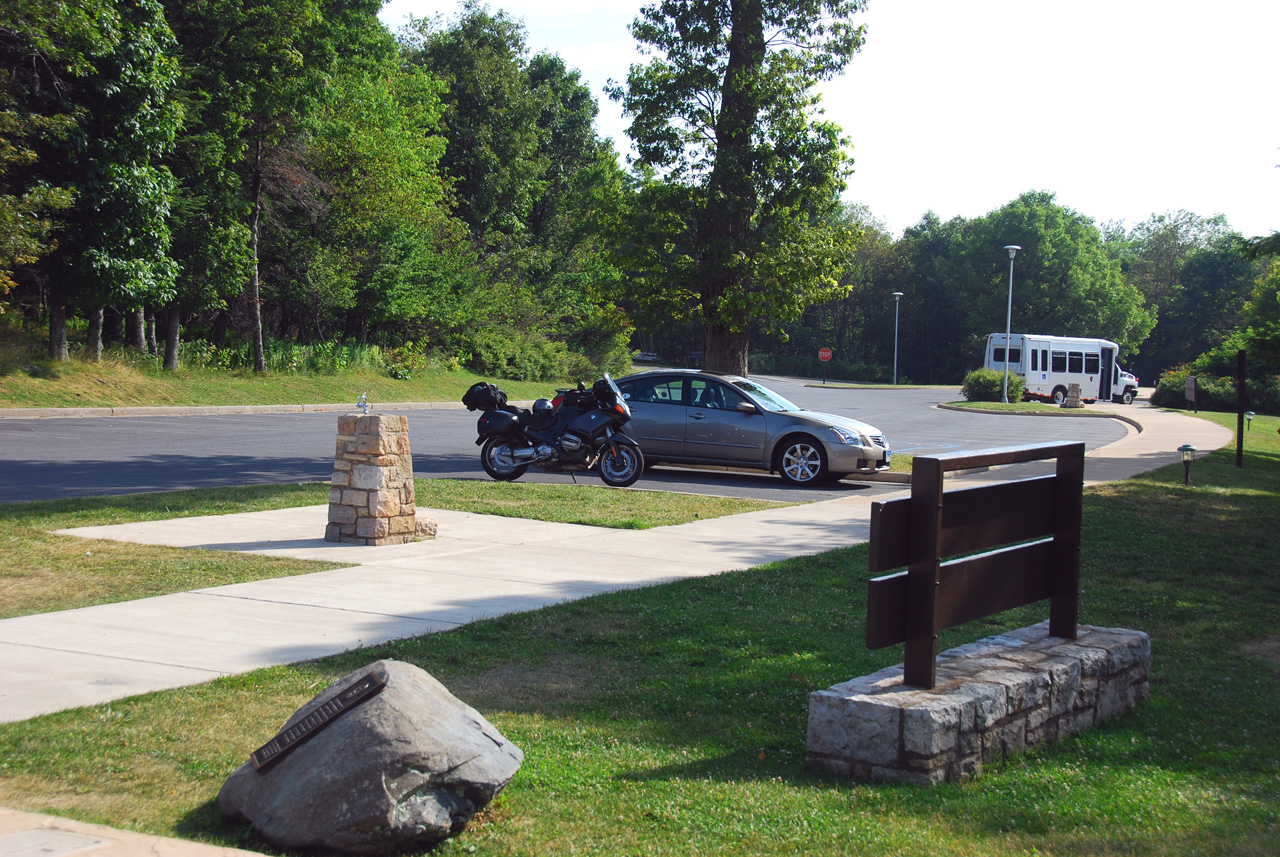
(614, 400)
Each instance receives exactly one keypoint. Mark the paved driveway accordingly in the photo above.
(73, 457)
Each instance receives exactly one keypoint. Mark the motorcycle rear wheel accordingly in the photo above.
(622, 469)
(496, 459)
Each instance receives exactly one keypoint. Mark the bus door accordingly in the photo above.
(1108, 374)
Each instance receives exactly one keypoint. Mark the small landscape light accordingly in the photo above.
(1188, 455)
(1248, 415)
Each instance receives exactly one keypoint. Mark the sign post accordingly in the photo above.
(824, 354)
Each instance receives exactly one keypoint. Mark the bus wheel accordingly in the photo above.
(1127, 398)
(1059, 395)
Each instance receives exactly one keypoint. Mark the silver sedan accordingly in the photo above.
(684, 416)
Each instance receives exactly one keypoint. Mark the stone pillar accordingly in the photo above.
(1073, 396)
(371, 494)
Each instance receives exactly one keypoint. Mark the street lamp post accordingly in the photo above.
(897, 299)
(1008, 321)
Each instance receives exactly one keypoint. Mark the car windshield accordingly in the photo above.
(767, 397)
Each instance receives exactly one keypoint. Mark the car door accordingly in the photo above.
(657, 414)
(716, 429)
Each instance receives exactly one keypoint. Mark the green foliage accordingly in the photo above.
(1217, 392)
(1262, 316)
(988, 385)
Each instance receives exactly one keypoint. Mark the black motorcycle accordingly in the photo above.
(579, 431)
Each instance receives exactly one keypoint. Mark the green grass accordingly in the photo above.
(1026, 408)
(671, 720)
(41, 571)
(593, 505)
(123, 381)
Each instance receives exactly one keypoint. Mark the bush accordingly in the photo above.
(1215, 393)
(987, 385)
(812, 367)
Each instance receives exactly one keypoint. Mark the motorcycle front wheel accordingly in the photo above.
(620, 465)
(496, 458)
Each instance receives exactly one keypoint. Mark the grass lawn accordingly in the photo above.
(123, 381)
(1027, 408)
(671, 720)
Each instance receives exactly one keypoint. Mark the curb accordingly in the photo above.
(1075, 416)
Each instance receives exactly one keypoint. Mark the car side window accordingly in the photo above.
(660, 390)
(732, 398)
(714, 396)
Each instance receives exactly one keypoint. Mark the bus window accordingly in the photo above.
(997, 355)
(1059, 361)
(1075, 362)
(1044, 360)
(1035, 360)
(1092, 364)
(1015, 356)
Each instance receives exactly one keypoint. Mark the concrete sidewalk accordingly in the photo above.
(479, 566)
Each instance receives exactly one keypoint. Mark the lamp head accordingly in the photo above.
(897, 296)
(1188, 452)
(1013, 250)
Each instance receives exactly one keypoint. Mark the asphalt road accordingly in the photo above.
(55, 458)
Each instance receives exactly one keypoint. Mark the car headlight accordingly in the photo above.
(850, 437)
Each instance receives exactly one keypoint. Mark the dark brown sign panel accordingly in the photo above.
(288, 739)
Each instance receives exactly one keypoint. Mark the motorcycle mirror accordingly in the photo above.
(582, 387)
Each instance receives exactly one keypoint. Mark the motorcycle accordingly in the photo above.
(579, 431)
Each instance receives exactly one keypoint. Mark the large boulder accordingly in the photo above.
(405, 768)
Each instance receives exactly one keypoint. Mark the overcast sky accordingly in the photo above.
(1123, 108)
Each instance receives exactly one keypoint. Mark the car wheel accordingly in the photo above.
(1059, 395)
(1127, 397)
(496, 459)
(802, 461)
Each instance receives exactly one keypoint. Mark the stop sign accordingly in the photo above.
(824, 354)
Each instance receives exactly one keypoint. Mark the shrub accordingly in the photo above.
(812, 367)
(987, 385)
(1215, 393)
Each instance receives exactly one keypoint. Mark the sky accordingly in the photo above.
(1123, 108)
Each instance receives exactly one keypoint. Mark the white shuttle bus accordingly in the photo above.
(1047, 364)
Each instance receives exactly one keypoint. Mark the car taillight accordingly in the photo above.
(555, 403)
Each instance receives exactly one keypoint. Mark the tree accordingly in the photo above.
(739, 170)
(1152, 256)
(114, 240)
(490, 115)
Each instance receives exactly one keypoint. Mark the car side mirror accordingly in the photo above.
(747, 408)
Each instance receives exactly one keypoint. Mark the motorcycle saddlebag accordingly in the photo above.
(497, 423)
(483, 397)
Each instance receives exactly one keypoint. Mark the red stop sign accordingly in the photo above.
(824, 354)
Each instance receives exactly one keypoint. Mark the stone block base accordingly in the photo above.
(994, 698)
(371, 498)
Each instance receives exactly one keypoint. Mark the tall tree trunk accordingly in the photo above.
(731, 194)
(172, 319)
(58, 330)
(136, 334)
(152, 346)
(255, 303)
(93, 338)
(112, 326)
(219, 335)
(725, 349)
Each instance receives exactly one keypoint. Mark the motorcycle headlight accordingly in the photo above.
(846, 436)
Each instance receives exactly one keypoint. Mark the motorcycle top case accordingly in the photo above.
(497, 423)
(483, 397)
